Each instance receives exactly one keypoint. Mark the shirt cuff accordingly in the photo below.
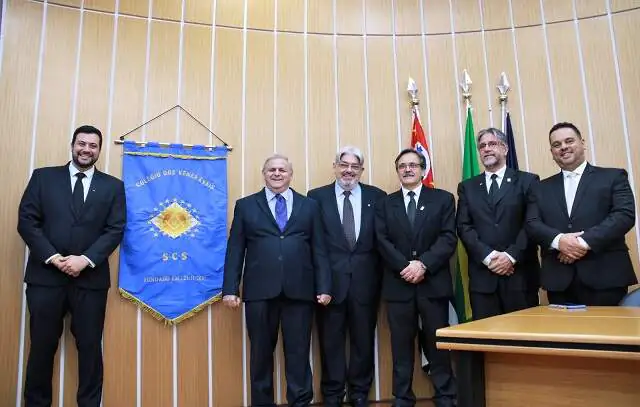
(583, 243)
(555, 244)
(91, 264)
(50, 259)
(487, 259)
(513, 261)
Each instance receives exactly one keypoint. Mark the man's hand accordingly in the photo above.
(231, 301)
(414, 272)
(501, 264)
(72, 265)
(565, 259)
(57, 261)
(570, 246)
(323, 299)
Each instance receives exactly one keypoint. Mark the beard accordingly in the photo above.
(83, 164)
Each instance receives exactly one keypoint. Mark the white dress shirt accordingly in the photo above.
(500, 176)
(356, 204)
(86, 181)
(571, 181)
(499, 173)
(405, 195)
(271, 201)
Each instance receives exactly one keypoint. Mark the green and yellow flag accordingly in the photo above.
(470, 168)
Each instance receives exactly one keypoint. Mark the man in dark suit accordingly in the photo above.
(491, 218)
(580, 217)
(72, 218)
(276, 248)
(415, 229)
(348, 212)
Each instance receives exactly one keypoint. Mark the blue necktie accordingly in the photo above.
(281, 212)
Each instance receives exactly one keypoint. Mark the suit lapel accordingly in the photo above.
(582, 187)
(481, 186)
(261, 200)
(558, 189)
(65, 179)
(367, 209)
(397, 203)
(510, 177)
(422, 209)
(297, 204)
(334, 213)
(94, 190)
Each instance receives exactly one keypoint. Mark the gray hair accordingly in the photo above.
(495, 132)
(277, 156)
(355, 151)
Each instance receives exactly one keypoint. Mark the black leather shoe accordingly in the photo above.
(363, 402)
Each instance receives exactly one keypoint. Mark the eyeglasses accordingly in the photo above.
(344, 166)
(490, 144)
(413, 166)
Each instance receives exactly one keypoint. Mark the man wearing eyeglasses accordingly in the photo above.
(347, 207)
(415, 229)
(491, 218)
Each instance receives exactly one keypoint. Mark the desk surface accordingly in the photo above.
(608, 325)
(602, 331)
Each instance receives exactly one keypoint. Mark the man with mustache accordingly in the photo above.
(491, 218)
(72, 218)
(415, 228)
(580, 217)
(276, 249)
(348, 213)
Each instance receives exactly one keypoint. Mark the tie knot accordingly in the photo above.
(279, 197)
(347, 194)
(494, 177)
(81, 175)
(411, 194)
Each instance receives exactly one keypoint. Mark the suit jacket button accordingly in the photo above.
(570, 225)
(495, 225)
(281, 237)
(414, 253)
(280, 258)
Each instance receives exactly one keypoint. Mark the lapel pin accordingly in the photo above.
(508, 179)
(422, 208)
(482, 183)
(369, 204)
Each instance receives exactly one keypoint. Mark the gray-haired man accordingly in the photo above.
(348, 210)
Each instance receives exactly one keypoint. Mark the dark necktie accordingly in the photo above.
(411, 208)
(493, 190)
(281, 212)
(348, 221)
(78, 192)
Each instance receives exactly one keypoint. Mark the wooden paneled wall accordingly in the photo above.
(301, 77)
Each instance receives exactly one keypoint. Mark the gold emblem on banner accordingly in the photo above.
(174, 221)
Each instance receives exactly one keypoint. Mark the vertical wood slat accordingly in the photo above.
(54, 125)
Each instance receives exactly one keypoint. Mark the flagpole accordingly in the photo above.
(503, 88)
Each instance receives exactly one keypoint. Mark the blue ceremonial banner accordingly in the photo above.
(172, 254)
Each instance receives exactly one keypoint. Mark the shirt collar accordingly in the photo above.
(340, 191)
(577, 172)
(286, 194)
(88, 173)
(499, 173)
(417, 191)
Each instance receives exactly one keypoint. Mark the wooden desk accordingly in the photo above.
(549, 357)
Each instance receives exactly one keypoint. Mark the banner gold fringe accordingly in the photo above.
(181, 156)
(156, 315)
